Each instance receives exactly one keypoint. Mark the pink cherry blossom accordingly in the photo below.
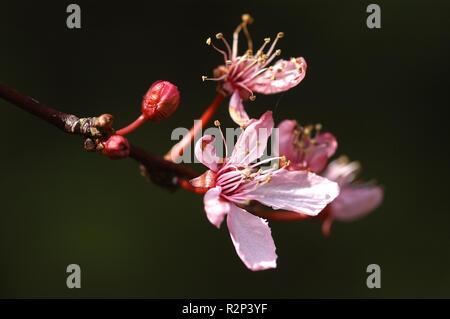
(242, 75)
(356, 199)
(236, 180)
(302, 149)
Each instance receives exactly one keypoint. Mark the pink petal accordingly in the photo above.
(355, 201)
(313, 156)
(252, 142)
(318, 155)
(299, 191)
(236, 109)
(342, 171)
(206, 152)
(215, 207)
(252, 239)
(283, 76)
(316, 159)
(286, 141)
(329, 140)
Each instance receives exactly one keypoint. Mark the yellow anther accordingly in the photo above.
(204, 78)
(228, 62)
(217, 123)
(318, 127)
(208, 41)
(219, 36)
(343, 159)
(280, 35)
(246, 18)
(278, 52)
(252, 97)
(267, 40)
(307, 131)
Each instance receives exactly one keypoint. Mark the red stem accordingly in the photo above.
(130, 128)
(281, 215)
(177, 150)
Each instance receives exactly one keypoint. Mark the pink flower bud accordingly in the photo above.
(117, 147)
(160, 101)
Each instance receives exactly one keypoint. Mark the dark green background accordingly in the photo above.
(381, 92)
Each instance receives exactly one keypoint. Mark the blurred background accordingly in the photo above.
(382, 92)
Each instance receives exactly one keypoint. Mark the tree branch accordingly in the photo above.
(161, 171)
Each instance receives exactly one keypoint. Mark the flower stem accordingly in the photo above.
(281, 215)
(177, 150)
(130, 128)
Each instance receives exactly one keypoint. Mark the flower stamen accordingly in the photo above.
(225, 56)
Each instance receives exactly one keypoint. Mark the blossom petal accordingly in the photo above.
(205, 152)
(329, 141)
(325, 145)
(283, 76)
(287, 138)
(253, 141)
(215, 207)
(342, 171)
(237, 111)
(298, 191)
(252, 239)
(355, 201)
(314, 152)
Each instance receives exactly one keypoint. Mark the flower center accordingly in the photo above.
(238, 71)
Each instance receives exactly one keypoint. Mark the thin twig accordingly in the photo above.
(70, 123)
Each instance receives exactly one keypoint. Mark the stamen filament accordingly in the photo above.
(279, 36)
(204, 78)
(226, 44)
(217, 124)
(209, 42)
(246, 88)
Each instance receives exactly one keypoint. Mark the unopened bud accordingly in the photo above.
(160, 101)
(116, 147)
